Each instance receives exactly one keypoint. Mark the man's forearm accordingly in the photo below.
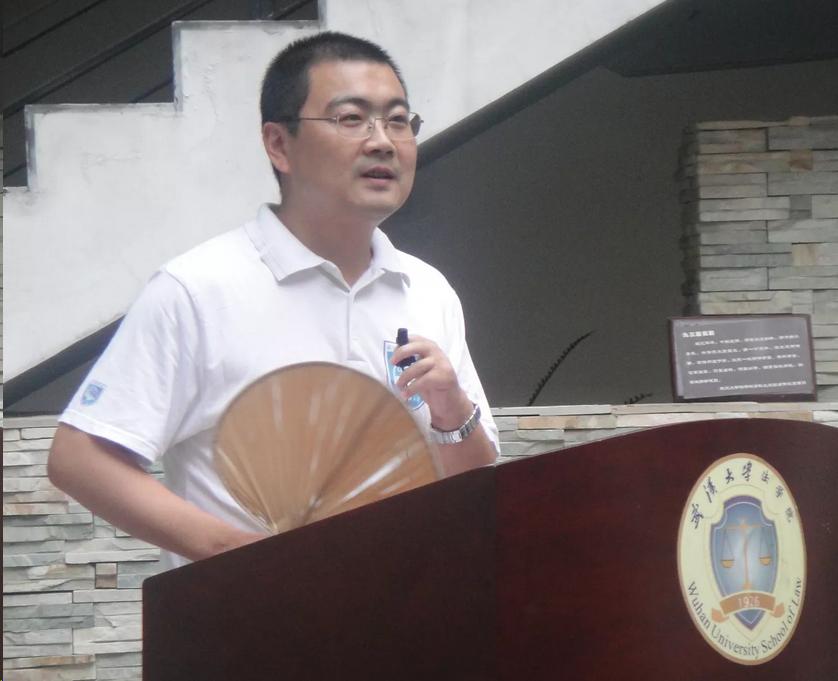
(476, 450)
(99, 475)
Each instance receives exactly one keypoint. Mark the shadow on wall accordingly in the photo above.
(566, 217)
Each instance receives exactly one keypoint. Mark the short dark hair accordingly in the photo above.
(286, 82)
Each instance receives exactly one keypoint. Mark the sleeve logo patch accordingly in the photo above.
(92, 392)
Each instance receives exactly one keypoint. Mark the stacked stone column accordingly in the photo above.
(760, 225)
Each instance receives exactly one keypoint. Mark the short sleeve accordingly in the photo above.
(139, 391)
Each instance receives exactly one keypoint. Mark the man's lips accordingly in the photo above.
(379, 173)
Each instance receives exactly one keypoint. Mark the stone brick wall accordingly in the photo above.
(761, 225)
(525, 431)
(72, 582)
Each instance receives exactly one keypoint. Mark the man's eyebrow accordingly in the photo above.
(365, 103)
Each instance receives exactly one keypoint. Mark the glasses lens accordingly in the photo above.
(353, 125)
(397, 127)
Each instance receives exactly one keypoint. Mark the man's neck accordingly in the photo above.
(346, 243)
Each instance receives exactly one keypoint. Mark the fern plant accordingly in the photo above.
(555, 365)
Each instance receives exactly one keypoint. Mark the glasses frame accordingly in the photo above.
(414, 125)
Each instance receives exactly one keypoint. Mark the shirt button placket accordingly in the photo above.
(352, 345)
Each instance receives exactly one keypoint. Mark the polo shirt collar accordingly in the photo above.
(284, 254)
(280, 250)
(386, 257)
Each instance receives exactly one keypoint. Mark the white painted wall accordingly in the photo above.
(117, 190)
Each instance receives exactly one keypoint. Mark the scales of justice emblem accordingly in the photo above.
(743, 551)
(742, 559)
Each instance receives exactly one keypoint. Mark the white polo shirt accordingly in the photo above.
(236, 307)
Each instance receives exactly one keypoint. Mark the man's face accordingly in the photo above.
(328, 175)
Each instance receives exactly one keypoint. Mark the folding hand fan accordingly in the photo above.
(311, 440)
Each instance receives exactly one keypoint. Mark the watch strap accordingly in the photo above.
(452, 437)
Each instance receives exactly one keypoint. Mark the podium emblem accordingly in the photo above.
(742, 559)
(743, 552)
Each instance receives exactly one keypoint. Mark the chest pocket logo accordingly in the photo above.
(393, 373)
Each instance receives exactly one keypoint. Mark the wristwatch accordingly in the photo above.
(452, 437)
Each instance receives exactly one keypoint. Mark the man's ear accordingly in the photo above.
(275, 137)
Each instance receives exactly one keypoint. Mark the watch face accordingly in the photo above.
(445, 438)
(452, 437)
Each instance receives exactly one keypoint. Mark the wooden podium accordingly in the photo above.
(562, 565)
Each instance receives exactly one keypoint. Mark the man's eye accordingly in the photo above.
(350, 120)
(398, 121)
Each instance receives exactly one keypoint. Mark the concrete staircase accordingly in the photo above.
(116, 190)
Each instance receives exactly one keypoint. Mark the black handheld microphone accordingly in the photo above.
(401, 339)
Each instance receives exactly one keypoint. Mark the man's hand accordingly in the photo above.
(433, 378)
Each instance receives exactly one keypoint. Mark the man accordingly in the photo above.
(310, 279)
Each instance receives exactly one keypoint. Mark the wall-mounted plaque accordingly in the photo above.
(730, 357)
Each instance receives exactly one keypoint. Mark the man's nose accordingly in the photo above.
(379, 139)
